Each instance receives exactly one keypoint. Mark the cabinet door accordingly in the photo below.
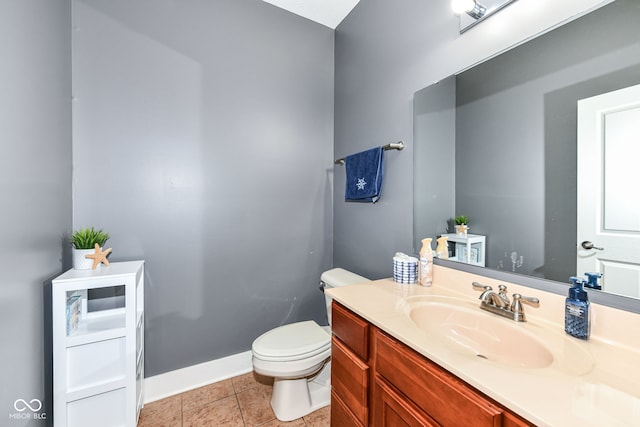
(350, 380)
(340, 414)
(394, 410)
(446, 399)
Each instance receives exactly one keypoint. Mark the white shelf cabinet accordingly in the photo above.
(470, 249)
(98, 366)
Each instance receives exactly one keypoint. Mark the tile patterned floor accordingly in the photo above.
(243, 401)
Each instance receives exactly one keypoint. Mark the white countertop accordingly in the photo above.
(589, 383)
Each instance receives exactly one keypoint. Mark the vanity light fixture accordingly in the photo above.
(470, 7)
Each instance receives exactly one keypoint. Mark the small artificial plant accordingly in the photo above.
(86, 238)
(461, 220)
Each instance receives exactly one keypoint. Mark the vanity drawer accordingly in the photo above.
(445, 398)
(351, 329)
(350, 380)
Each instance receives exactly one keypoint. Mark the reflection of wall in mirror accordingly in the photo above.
(434, 187)
(515, 170)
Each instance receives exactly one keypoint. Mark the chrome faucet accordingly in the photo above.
(499, 303)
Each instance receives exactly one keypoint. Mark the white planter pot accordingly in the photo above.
(82, 263)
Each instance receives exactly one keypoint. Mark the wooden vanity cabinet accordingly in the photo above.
(385, 383)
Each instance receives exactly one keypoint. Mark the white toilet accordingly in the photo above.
(297, 356)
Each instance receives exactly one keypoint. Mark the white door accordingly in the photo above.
(609, 189)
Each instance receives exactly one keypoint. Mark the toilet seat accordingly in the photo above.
(295, 341)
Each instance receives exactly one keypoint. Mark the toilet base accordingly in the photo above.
(296, 398)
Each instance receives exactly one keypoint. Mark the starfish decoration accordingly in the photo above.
(99, 256)
(462, 229)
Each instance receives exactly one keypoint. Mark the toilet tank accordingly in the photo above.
(336, 278)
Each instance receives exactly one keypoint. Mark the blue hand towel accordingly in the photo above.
(364, 175)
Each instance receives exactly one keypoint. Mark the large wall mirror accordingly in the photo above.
(499, 143)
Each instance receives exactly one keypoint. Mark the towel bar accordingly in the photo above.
(393, 146)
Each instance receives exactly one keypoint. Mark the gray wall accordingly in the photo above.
(382, 53)
(203, 135)
(35, 186)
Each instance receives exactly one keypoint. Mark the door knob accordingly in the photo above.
(588, 245)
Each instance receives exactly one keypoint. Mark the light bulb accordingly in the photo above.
(461, 6)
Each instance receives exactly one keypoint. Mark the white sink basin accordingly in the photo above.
(465, 327)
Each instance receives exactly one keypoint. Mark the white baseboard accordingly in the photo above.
(185, 379)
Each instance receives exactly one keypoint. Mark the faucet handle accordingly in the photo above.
(478, 285)
(487, 290)
(530, 300)
(516, 306)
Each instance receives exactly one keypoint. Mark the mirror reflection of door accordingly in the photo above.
(609, 189)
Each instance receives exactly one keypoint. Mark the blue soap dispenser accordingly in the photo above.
(592, 280)
(576, 310)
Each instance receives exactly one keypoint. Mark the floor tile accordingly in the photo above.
(162, 413)
(255, 404)
(243, 401)
(223, 412)
(250, 380)
(319, 418)
(277, 423)
(207, 394)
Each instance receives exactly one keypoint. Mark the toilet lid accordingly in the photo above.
(292, 342)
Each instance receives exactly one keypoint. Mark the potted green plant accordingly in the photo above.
(84, 241)
(462, 225)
